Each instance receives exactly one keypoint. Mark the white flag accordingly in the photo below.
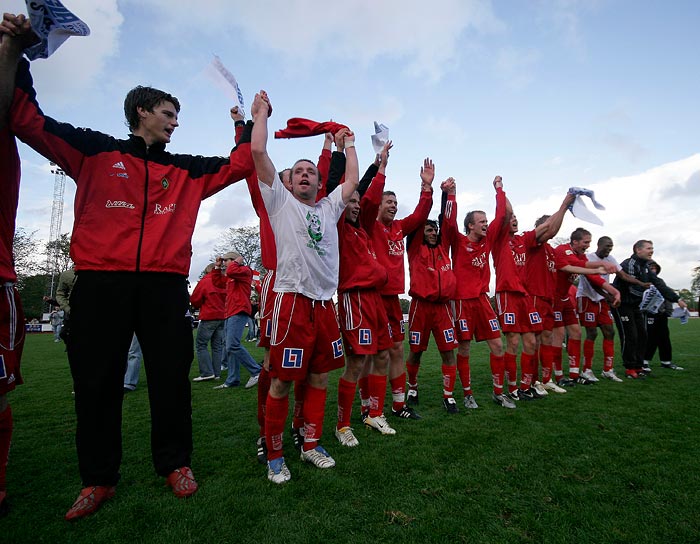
(54, 24)
(225, 80)
(380, 136)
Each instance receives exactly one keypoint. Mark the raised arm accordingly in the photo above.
(352, 169)
(550, 228)
(448, 212)
(420, 215)
(258, 141)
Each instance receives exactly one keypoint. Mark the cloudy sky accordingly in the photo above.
(547, 93)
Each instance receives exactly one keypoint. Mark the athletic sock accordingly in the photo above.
(497, 369)
(449, 377)
(527, 364)
(546, 362)
(5, 438)
(412, 371)
(588, 350)
(377, 394)
(511, 371)
(364, 391)
(557, 354)
(346, 396)
(398, 392)
(464, 373)
(275, 416)
(314, 408)
(263, 389)
(608, 354)
(573, 348)
(299, 393)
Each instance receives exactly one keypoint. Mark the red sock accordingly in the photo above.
(346, 396)
(588, 350)
(527, 366)
(263, 389)
(314, 409)
(5, 438)
(511, 369)
(275, 416)
(557, 353)
(497, 366)
(449, 377)
(546, 362)
(608, 354)
(398, 392)
(412, 370)
(573, 348)
(464, 373)
(363, 389)
(377, 394)
(299, 393)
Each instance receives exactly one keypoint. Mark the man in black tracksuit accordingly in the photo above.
(629, 318)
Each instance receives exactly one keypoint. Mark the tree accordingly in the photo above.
(31, 291)
(59, 252)
(405, 305)
(26, 258)
(689, 298)
(695, 285)
(243, 240)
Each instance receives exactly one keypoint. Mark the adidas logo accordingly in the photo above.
(119, 165)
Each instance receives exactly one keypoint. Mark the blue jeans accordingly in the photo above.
(235, 353)
(133, 364)
(210, 331)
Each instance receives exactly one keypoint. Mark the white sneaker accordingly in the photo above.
(551, 386)
(610, 375)
(318, 457)
(252, 382)
(380, 423)
(470, 403)
(503, 400)
(540, 389)
(203, 378)
(346, 437)
(277, 471)
(588, 374)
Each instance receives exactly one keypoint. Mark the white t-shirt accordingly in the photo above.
(584, 286)
(307, 241)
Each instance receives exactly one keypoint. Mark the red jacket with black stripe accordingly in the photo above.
(135, 207)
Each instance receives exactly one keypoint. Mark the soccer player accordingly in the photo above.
(388, 240)
(594, 312)
(305, 340)
(432, 286)
(140, 201)
(363, 320)
(629, 318)
(474, 314)
(565, 317)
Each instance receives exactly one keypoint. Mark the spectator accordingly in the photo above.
(211, 301)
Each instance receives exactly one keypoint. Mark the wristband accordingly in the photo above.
(239, 124)
(349, 145)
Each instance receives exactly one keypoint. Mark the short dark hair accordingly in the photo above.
(639, 243)
(146, 98)
(470, 219)
(541, 220)
(579, 233)
(604, 240)
(388, 193)
(318, 172)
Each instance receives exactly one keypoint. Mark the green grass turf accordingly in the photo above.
(612, 462)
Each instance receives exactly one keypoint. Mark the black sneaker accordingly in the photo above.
(364, 415)
(450, 405)
(566, 382)
(298, 437)
(525, 394)
(536, 394)
(412, 397)
(583, 381)
(405, 413)
(262, 450)
(671, 366)
(514, 395)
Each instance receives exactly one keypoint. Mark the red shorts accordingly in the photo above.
(305, 337)
(392, 306)
(266, 303)
(363, 322)
(425, 317)
(593, 314)
(475, 319)
(545, 308)
(517, 313)
(564, 313)
(11, 338)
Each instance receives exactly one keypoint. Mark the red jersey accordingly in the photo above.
(540, 271)
(9, 198)
(210, 299)
(432, 277)
(470, 259)
(565, 255)
(238, 286)
(359, 267)
(388, 241)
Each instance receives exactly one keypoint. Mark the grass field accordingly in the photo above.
(611, 462)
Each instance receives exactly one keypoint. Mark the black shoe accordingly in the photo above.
(364, 415)
(583, 381)
(405, 413)
(535, 394)
(671, 366)
(566, 382)
(525, 394)
(298, 438)
(450, 405)
(262, 450)
(412, 397)
(514, 395)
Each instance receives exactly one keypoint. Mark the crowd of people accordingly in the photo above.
(324, 231)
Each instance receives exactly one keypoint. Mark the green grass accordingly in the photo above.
(606, 463)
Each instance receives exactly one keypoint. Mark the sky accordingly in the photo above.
(548, 94)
